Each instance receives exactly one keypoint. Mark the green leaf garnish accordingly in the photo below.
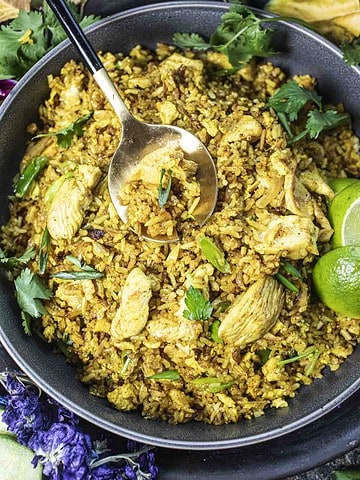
(289, 285)
(347, 474)
(291, 98)
(86, 272)
(290, 269)
(306, 353)
(239, 36)
(14, 262)
(198, 308)
(351, 51)
(27, 38)
(28, 175)
(172, 375)
(319, 121)
(214, 330)
(263, 354)
(213, 253)
(212, 384)
(163, 193)
(30, 291)
(221, 307)
(44, 250)
(65, 136)
(55, 187)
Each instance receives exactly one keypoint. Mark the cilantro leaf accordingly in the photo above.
(190, 40)
(198, 308)
(290, 98)
(65, 136)
(351, 51)
(30, 291)
(12, 262)
(319, 121)
(27, 38)
(239, 36)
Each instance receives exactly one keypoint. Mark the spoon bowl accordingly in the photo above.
(140, 139)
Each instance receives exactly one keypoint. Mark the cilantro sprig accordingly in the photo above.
(65, 135)
(240, 36)
(290, 99)
(27, 38)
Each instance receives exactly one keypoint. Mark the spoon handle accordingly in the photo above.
(92, 61)
(76, 34)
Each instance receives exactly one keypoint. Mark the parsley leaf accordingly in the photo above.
(351, 51)
(198, 308)
(30, 291)
(65, 136)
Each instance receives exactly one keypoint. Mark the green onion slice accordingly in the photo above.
(213, 253)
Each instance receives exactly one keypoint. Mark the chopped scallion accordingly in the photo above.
(213, 253)
(163, 193)
(172, 375)
(28, 175)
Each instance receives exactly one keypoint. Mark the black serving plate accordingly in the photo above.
(302, 52)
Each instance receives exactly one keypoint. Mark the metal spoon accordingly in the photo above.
(137, 138)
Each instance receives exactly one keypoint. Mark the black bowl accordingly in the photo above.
(302, 51)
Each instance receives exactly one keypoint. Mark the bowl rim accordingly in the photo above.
(79, 410)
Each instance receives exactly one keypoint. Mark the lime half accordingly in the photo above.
(344, 216)
(336, 278)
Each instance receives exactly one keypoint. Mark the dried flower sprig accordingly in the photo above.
(53, 433)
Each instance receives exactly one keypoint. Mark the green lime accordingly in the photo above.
(336, 278)
(338, 184)
(344, 216)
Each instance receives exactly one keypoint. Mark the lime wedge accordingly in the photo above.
(338, 184)
(336, 279)
(344, 216)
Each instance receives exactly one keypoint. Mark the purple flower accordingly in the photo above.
(64, 451)
(106, 472)
(24, 413)
(5, 88)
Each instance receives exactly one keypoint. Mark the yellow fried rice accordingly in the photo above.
(271, 208)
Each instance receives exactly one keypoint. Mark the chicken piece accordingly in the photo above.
(133, 313)
(315, 183)
(172, 64)
(289, 236)
(69, 205)
(269, 188)
(247, 128)
(167, 111)
(253, 313)
(326, 230)
(150, 167)
(173, 329)
(297, 198)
